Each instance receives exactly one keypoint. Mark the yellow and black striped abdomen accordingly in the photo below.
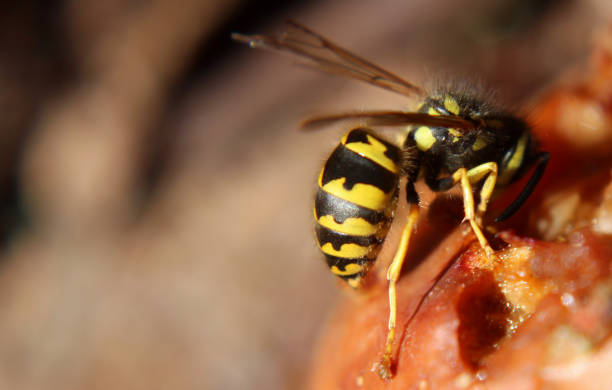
(357, 193)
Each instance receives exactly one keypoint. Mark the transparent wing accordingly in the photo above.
(316, 52)
(392, 118)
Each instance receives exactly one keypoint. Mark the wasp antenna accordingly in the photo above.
(528, 189)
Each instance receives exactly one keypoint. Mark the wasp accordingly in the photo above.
(452, 138)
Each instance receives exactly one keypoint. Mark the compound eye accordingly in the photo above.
(508, 157)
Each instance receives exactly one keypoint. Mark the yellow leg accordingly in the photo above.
(393, 272)
(461, 175)
(475, 175)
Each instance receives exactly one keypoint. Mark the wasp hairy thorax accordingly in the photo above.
(453, 138)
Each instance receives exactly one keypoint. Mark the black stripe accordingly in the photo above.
(342, 263)
(360, 135)
(353, 276)
(336, 239)
(340, 209)
(343, 163)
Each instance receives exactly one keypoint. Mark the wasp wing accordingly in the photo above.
(316, 52)
(392, 118)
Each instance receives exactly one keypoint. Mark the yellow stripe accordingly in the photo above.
(349, 269)
(354, 282)
(455, 133)
(374, 150)
(352, 226)
(451, 105)
(515, 161)
(424, 138)
(479, 144)
(364, 195)
(347, 251)
(433, 111)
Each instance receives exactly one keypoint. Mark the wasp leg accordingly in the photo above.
(393, 272)
(475, 175)
(461, 175)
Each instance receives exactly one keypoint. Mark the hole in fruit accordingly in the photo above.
(483, 318)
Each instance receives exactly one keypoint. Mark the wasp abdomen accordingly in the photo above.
(353, 208)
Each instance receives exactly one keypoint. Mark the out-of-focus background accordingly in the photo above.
(155, 189)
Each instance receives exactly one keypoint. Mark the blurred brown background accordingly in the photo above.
(156, 194)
